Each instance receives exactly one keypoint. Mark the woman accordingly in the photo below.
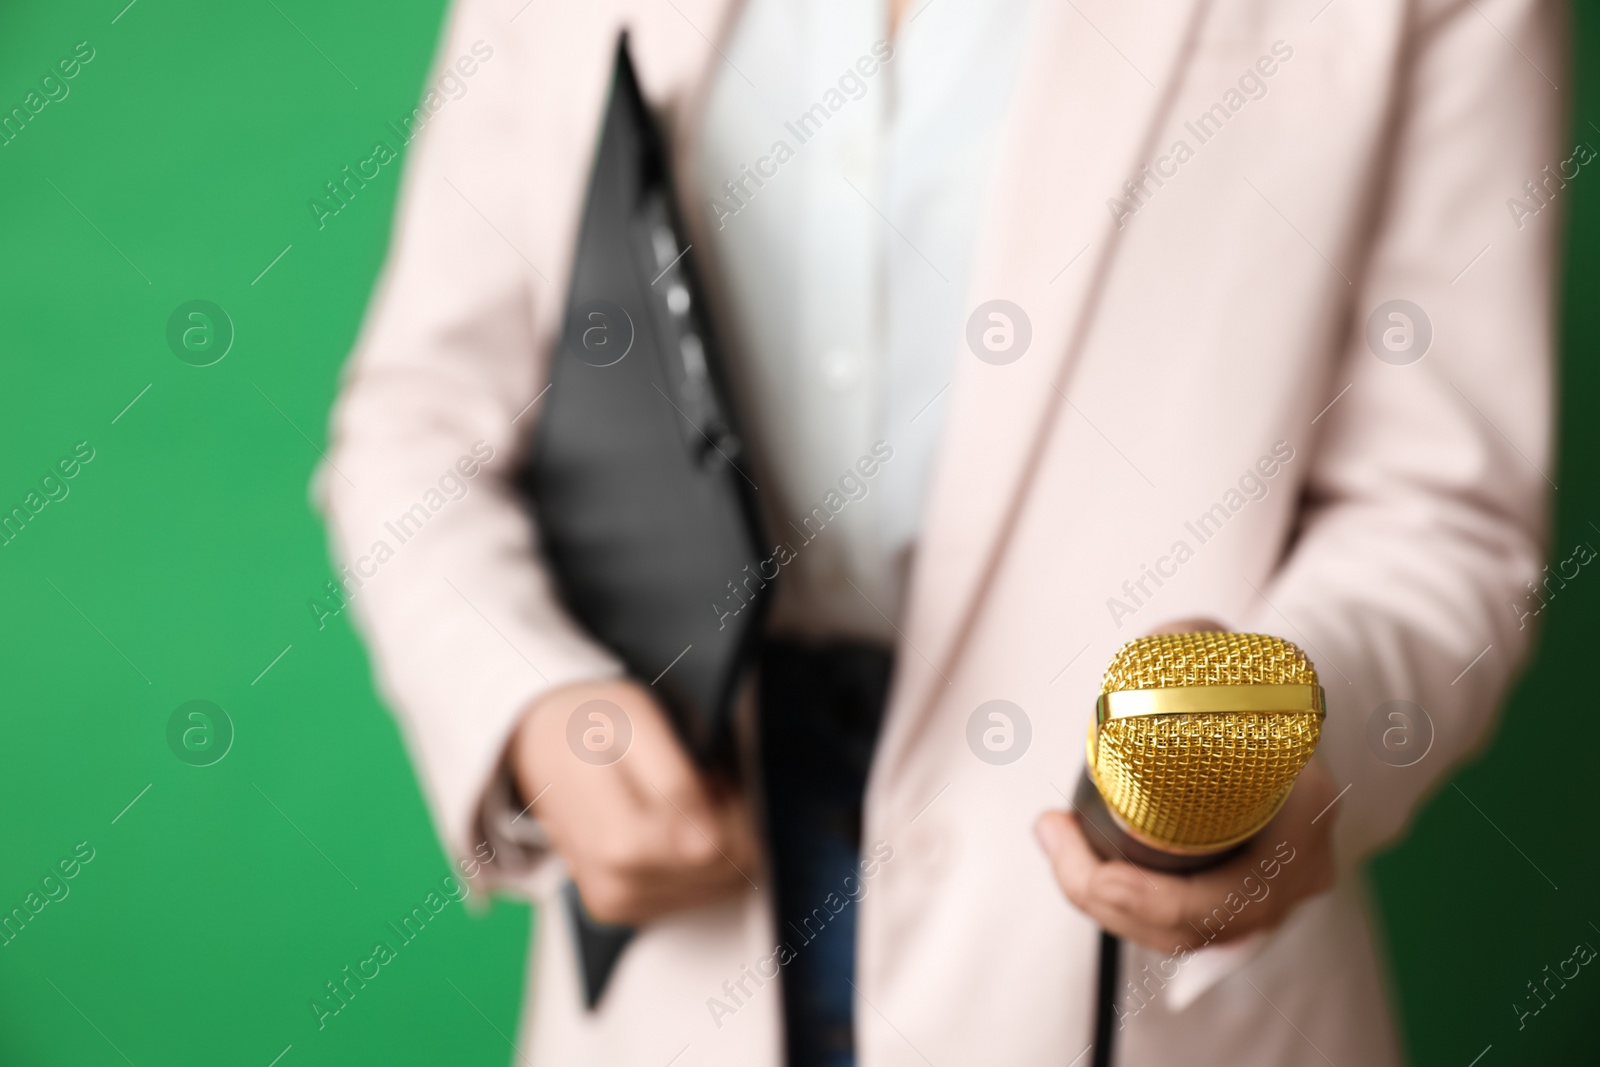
(1170, 315)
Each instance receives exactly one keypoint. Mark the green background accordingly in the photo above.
(181, 561)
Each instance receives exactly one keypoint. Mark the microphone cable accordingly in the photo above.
(1106, 998)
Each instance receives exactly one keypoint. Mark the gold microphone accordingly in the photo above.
(1196, 742)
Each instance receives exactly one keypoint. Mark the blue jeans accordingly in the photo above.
(821, 707)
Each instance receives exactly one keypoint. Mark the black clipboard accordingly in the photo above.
(637, 476)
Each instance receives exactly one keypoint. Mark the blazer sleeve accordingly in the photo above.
(1425, 508)
(461, 618)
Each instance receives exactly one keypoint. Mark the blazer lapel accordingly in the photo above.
(1085, 112)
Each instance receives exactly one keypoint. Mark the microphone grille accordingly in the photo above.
(1208, 658)
(1202, 781)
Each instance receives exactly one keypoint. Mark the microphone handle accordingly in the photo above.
(1110, 841)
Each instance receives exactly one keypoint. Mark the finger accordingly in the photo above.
(732, 867)
(687, 825)
(582, 806)
(593, 824)
(635, 903)
(1133, 903)
(1286, 863)
(645, 893)
(1225, 903)
(1082, 876)
(1164, 911)
(1064, 846)
(1252, 892)
(738, 842)
(1093, 884)
(668, 781)
(727, 852)
(665, 799)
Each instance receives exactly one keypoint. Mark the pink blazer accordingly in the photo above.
(1204, 371)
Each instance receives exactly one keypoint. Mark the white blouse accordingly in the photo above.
(844, 177)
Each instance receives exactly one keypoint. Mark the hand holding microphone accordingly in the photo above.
(1199, 771)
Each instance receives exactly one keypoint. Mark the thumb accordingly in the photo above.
(1050, 829)
(1071, 858)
